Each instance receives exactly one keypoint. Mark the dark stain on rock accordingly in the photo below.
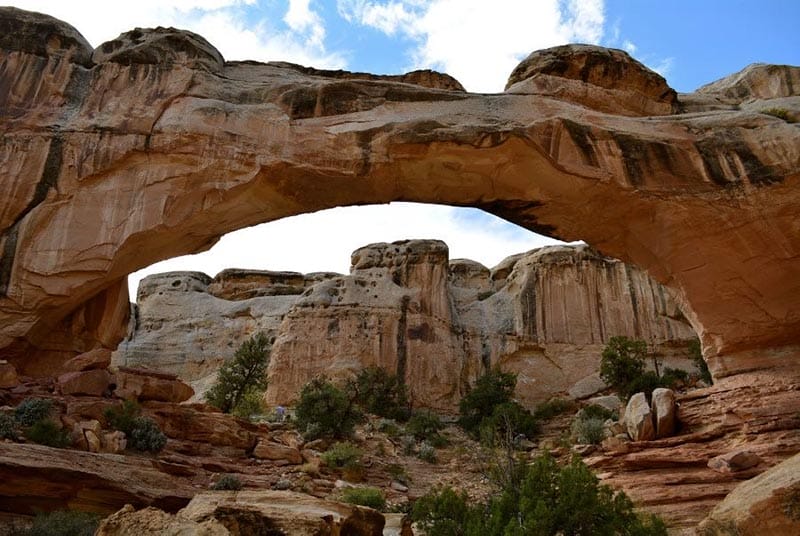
(333, 327)
(48, 179)
(582, 138)
(423, 333)
(634, 156)
(736, 151)
(402, 348)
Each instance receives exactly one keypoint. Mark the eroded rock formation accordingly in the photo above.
(437, 323)
(153, 146)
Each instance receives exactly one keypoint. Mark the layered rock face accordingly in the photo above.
(153, 146)
(406, 307)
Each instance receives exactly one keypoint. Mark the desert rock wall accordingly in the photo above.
(406, 307)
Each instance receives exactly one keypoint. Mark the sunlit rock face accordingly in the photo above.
(408, 308)
(152, 146)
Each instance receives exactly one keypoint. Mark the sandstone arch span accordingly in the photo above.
(152, 146)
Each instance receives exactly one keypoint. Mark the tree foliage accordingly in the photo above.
(239, 378)
(696, 355)
(547, 500)
(324, 410)
(622, 364)
(379, 393)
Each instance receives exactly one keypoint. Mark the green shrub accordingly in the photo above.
(32, 410)
(388, 427)
(251, 403)
(146, 436)
(696, 355)
(343, 455)
(622, 364)
(371, 497)
(546, 500)
(643, 384)
(588, 430)
(227, 482)
(47, 432)
(673, 378)
(398, 473)
(595, 411)
(8, 427)
(63, 523)
(246, 373)
(122, 416)
(379, 393)
(324, 410)
(426, 452)
(443, 512)
(492, 389)
(553, 407)
(424, 424)
(510, 420)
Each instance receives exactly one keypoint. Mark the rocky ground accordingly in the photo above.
(669, 476)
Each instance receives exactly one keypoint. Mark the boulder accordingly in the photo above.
(766, 504)
(114, 442)
(610, 402)
(151, 521)
(735, 461)
(194, 422)
(99, 358)
(8, 375)
(664, 412)
(140, 384)
(268, 450)
(639, 419)
(90, 382)
(284, 512)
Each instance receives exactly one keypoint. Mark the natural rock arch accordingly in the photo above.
(152, 146)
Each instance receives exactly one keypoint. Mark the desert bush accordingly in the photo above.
(546, 500)
(696, 355)
(47, 432)
(251, 403)
(424, 424)
(371, 497)
(342, 456)
(553, 407)
(492, 389)
(426, 452)
(379, 393)
(122, 416)
(398, 473)
(595, 411)
(227, 482)
(324, 410)
(444, 512)
(588, 430)
(245, 374)
(673, 378)
(146, 436)
(508, 423)
(622, 364)
(388, 427)
(8, 427)
(32, 410)
(63, 523)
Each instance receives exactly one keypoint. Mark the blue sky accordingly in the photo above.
(477, 41)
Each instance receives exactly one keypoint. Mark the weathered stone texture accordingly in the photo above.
(108, 167)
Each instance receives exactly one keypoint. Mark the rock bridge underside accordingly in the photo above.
(152, 146)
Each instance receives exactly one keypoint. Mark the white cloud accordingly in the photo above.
(629, 47)
(224, 23)
(323, 241)
(663, 67)
(476, 41)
